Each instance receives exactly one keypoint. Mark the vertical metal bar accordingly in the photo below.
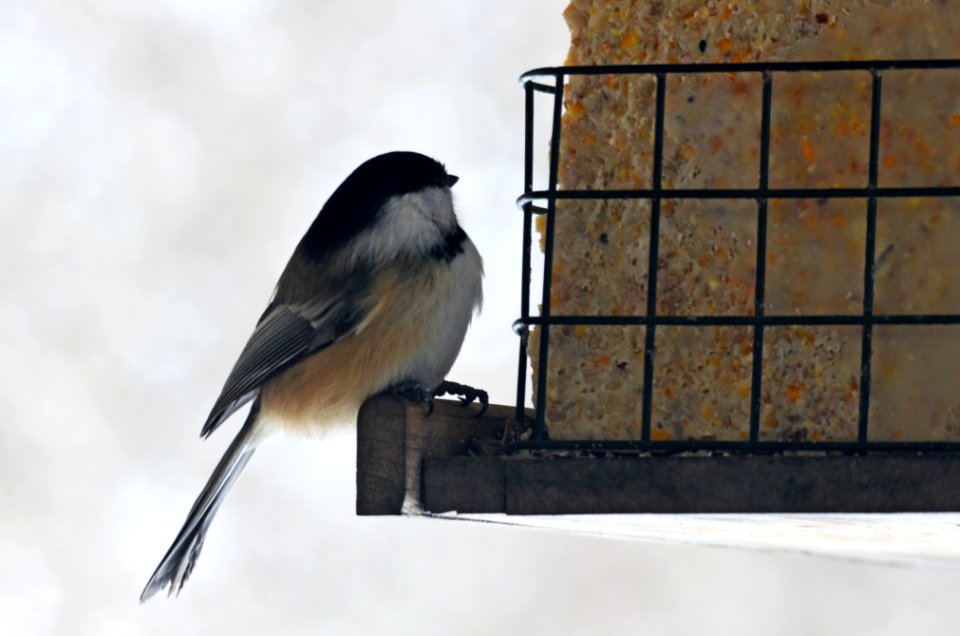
(540, 427)
(525, 257)
(650, 335)
(866, 346)
(756, 380)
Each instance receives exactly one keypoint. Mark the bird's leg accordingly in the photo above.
(467, 394)
(414, 392)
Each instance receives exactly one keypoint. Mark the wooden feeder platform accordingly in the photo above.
(452, 461)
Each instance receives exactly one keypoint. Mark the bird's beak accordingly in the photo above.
(452, 179)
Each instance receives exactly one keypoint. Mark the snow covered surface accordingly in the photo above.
(897, 539)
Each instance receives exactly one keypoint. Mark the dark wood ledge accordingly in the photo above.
(448, 462)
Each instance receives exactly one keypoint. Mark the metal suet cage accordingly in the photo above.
(544, 202)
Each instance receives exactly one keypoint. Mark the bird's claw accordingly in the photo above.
(415, 393)
(467, 395)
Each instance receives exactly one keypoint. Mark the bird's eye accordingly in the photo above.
(450, 179)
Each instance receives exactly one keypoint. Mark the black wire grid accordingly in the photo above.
(761, 194)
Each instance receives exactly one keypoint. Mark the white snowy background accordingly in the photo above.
(158, 162)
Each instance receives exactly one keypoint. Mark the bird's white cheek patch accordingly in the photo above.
(409, 223)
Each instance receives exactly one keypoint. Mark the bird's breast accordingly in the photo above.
(414, 332)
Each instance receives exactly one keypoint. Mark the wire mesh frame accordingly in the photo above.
(655, 194)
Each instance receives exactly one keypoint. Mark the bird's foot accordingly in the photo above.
(414, 392)
(467, 395)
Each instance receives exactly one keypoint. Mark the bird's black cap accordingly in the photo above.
(356, 202)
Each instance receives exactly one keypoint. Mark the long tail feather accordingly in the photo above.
(178, 562)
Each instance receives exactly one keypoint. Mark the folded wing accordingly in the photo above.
(285, 335)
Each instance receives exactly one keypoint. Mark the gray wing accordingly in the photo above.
(285, 335)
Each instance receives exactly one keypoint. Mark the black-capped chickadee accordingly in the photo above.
(378, 295)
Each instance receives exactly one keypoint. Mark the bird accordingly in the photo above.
(377, 296)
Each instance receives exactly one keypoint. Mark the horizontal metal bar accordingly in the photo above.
(746, 67)
(711, 321)
(759, 447)
(743, 193)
